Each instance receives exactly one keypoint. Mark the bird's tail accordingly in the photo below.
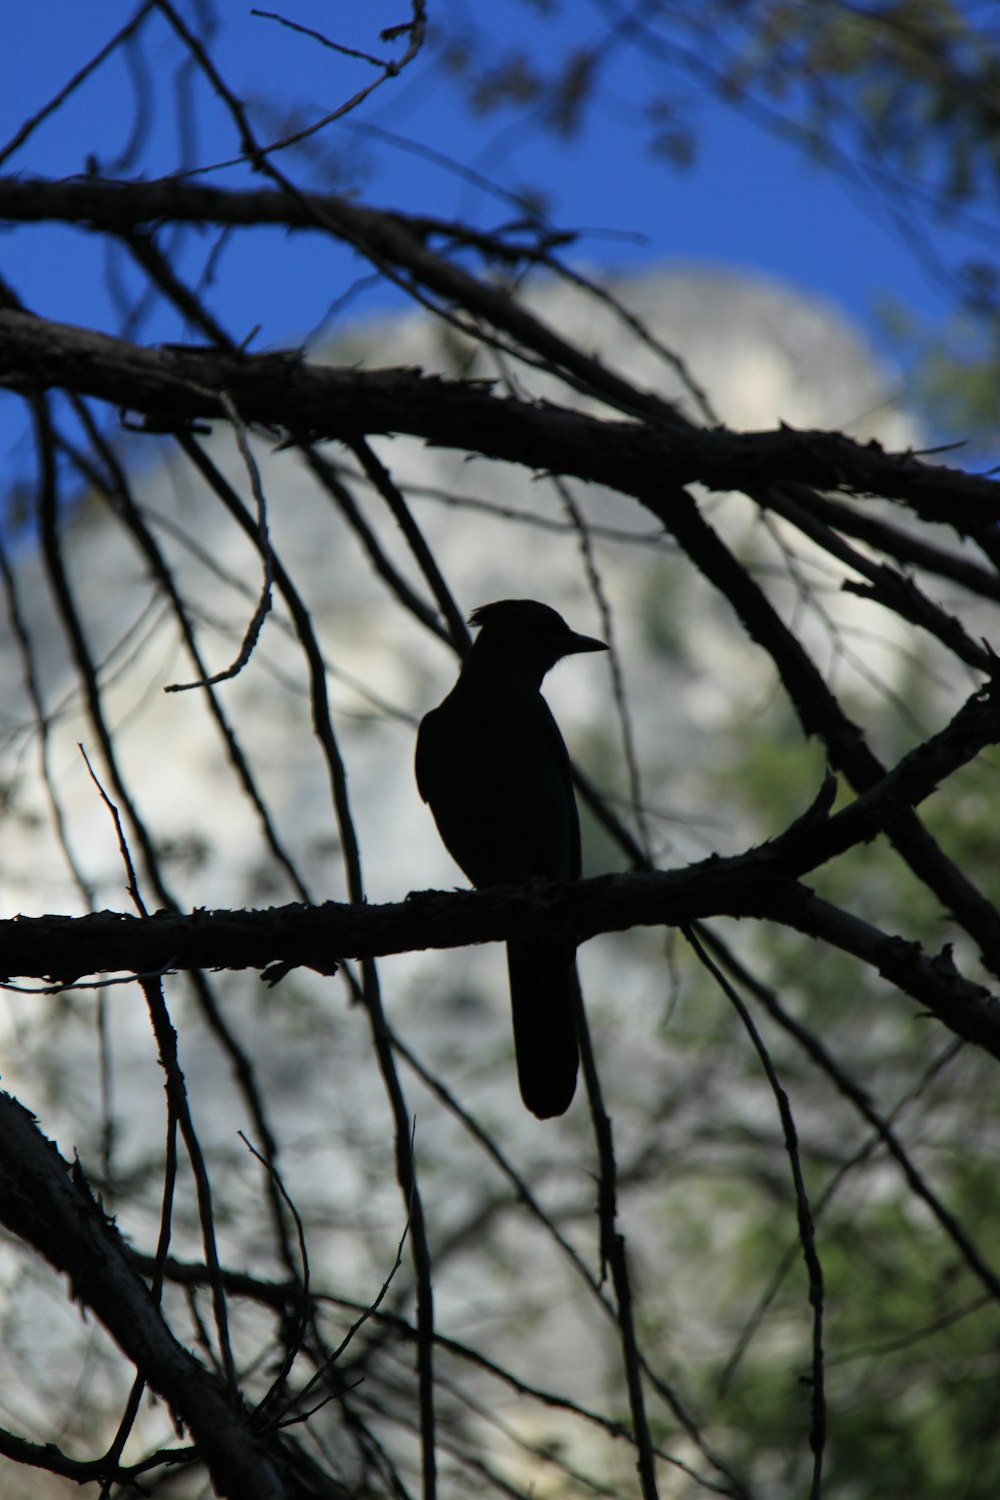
(543, 991)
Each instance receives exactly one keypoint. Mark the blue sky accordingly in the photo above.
(749, 201)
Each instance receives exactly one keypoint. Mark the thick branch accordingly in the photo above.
(44, 1201)
(176, 385)
(286, 937)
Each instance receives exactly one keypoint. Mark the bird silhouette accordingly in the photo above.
(495, 772)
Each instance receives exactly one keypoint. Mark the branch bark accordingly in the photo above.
(174, 386)
(45, 1201)
(317, 937)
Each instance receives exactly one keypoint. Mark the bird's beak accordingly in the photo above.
(577, 643)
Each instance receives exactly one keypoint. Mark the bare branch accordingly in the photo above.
(44, 1200)
(173, 386)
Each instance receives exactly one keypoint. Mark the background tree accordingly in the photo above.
(755, 1261)
(899, 101)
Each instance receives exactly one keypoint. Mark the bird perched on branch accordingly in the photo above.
(493, 767)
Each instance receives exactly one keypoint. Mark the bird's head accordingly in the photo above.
(526, 636)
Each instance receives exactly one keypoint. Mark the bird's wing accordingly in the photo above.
(560, 755)
(496, 774)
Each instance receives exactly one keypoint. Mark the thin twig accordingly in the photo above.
(178, 1110)
(613, 1256)
(263, 541)
(807, 1228)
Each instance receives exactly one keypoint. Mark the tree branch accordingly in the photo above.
(44, 1201)
(317, 937)
(175, 385)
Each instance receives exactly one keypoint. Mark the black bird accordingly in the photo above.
(493, 767)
